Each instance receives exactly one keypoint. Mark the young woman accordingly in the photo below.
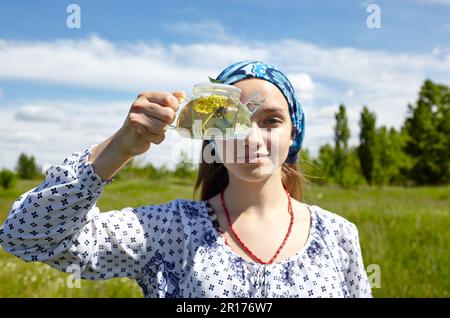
(249, 235)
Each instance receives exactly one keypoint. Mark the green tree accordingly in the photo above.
(26, 167)
(380, 152)
(351, 173)
(428, 129)
(341, 137)
(325, 164)
(367, 149)
(399, 161)
(383, 157)
(6, 178)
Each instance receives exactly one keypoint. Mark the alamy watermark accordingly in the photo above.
(73, 20)
(373, 272)
(74, 279)
(374, 275)
(261, 146)
(374, 19)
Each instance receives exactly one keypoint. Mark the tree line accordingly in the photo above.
(416, 154)
(27, 169)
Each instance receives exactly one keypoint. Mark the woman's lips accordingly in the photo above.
(252, 159)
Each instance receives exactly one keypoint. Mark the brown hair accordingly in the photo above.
(213, 177)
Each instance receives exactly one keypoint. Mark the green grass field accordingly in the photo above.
(403, 230)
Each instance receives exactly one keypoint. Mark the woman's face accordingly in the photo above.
(267, 146)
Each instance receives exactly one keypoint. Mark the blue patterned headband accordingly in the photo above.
(245, 69)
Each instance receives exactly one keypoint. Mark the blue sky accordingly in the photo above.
(407, 25)
(124, 47)
(414, 26)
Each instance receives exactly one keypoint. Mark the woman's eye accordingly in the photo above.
(272, 121)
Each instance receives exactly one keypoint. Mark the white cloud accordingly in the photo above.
(441, 53)
(323, 78)
(303, 85)
(21, 137)
(84, 123)
(207, 30)
(39, 113)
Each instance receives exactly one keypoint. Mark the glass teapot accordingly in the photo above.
(216, 112)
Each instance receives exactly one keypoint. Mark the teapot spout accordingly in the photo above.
(254, 102)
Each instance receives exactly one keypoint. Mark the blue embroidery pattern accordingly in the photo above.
(168, 279)
(287, 274)
(314, 250)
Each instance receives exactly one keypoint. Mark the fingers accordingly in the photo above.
(143, 106)
(154, 125)
(162, 98)
(152, 112)
(150, 128)
(159, 139)
(180, 95)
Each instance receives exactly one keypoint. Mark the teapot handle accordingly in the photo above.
(181, 105)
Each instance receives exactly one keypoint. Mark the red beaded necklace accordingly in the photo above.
(243, 244)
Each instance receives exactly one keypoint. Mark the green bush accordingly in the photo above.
(6, 178)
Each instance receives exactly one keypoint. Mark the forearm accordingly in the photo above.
(58, 223)
(42, 218)
(108, 158)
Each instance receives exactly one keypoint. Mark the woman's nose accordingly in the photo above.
(254, 138)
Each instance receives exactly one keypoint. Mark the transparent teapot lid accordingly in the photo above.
(225, 88)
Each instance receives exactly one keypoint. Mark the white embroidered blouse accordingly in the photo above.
(173, 249)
